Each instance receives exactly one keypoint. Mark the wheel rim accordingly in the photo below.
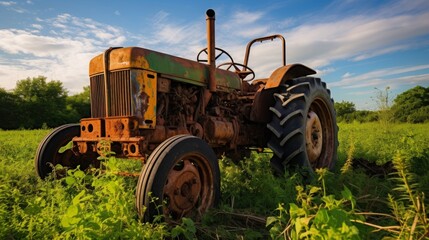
(189, 187)
(314, 137)
(319, 134)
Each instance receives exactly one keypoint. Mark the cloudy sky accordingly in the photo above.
(356, 46)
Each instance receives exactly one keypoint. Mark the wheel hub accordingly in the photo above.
(314, 137)
(183, 188)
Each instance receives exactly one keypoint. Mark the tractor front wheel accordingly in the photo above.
(53, 150)
(180, 179)
(303, 126)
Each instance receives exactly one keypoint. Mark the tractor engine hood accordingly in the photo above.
(175, 68)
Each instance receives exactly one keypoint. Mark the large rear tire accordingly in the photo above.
(48, 153)
(180, 179)
(303, 126)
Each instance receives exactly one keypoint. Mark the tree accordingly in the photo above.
(44, 103)
(79, 105)
(412, 105)
(363, 116)
(10, 106)
(344, 110)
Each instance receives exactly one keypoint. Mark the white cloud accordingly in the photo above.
(63, 55)
(347, 75)
(374, 77)
(410, 80)
(246, 24)
(7, 4)
(63, 18)
(173, 37)
(375, 53)
(19, 10)
(21, 41)
(356, 37)
(323, 71)
(37, 26)
(245, 17)
(160, 17)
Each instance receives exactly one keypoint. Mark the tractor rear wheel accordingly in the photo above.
(303, 126)
(49, 152)
(180, 179)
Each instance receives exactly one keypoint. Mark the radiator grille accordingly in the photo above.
(98, 98)
(120, 93)
(119, 86)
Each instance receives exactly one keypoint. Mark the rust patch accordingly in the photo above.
(288, 72)
(91, 128)
(145, 98)
(121, 127)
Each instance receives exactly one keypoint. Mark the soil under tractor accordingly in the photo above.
(179, 116)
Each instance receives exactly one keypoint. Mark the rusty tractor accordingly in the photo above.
(179, 116)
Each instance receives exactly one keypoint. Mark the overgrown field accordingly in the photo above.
(376, 191)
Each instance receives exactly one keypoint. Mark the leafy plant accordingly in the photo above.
(383, 101)
(186, 229)
(409, 207)
(251, 184)
(99, 203)
(316, 215)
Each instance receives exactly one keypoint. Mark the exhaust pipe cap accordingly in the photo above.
(210, 13)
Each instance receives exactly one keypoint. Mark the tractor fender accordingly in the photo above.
(288, 72)
(264, 97)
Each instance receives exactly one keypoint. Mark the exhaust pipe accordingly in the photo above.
(211, 48)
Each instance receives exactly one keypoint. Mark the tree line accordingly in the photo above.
(36, 103)
(411, 106)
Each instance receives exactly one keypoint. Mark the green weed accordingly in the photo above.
(316, 215)
(351, 202)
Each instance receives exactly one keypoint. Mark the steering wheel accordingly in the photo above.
(242, 73)
(218, 53)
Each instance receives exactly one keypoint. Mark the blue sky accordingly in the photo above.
(355, 45)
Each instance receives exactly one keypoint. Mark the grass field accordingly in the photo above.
(375, 191)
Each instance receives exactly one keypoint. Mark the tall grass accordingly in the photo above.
(255, 204)
(378, 143)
